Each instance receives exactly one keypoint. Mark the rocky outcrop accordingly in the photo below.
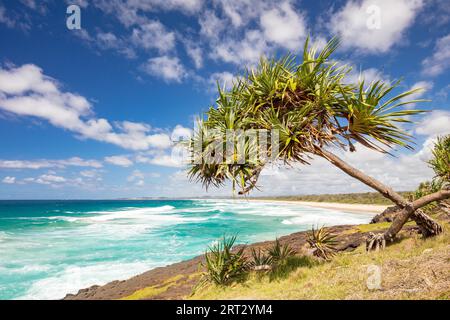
(386, 216)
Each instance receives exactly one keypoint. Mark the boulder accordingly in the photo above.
(386, 216)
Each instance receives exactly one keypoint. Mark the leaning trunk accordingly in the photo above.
(427, 225)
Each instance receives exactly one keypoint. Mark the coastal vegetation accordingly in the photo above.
(350, 198)
(315, 112)
(323, 243)
(411, 268)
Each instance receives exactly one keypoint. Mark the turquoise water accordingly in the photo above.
(51, 248)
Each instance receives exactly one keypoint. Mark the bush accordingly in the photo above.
(279, 254)
(323, 242)
(261, 261)
(224, 266)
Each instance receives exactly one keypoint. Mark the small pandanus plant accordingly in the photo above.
(323, 242)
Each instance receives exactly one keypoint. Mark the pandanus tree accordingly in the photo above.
(308, 109)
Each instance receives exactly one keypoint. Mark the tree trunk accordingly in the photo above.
(408, 210)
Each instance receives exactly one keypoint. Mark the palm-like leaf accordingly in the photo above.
(440, 162)
(311, 106)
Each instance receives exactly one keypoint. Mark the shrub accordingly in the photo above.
(279, 254)
(323, 242)
(224, 266)
(261, 261)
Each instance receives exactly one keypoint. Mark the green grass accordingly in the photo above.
(412, 268)
(352, 198)
(152, 291)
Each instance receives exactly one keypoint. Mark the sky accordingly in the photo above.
(92, 113)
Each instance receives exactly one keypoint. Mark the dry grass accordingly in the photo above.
(413, 268)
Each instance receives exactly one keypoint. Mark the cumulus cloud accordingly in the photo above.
(9, 180)
(181, 133)
(168, 68)
(240, 32)
(46, 179)
(440, 59)
(26, 91)
(137, 178)
(367, 75)
(223, 79)
(284, 26)
(424, 87)
(435, 123)
(121, 161)
(245, 51)
(153, 35)
(374, 26)
(194, 51)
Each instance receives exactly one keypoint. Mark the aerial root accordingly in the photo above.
(375, 242)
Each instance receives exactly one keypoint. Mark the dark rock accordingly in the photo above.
(386, 216)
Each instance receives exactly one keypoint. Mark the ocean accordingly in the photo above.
(51, 248)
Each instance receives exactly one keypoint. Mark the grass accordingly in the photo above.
(352, 198)
(412, 268)
(152, 291)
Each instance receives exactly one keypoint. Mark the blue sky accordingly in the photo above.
(90, 113)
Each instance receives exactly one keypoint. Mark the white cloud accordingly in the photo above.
(224, 79)
(26, 91)
(137, 177)
(181, 133)
(240, 32)
(121, 161)
(354, 23)
(49, 178)
(368, 75)
(5, 19)
(435, 123)
(44, 163)
(9, 180)
(440, 60)
(403, 173)
(91, 174)
(153, 35)
(133, 12)
(284, 26)
(108, 40)
(167, 68)
(245, 51)
(194, 51)
(163, 160)
(211, 26)
(425, 86)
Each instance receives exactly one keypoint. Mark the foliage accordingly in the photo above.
(358, 198)
(426, 188)
(224, 266)
(310, 104)
(340, 279)
(323, 242)
(260, 259)
(279, 254)
(440, 162)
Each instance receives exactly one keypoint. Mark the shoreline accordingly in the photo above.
(349, 207)
(185, 271)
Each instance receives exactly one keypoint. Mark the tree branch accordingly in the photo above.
(386, 191)
(437, 196)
